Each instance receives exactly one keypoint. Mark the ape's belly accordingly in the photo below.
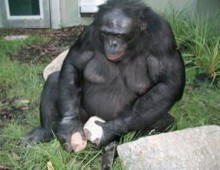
(107, 102)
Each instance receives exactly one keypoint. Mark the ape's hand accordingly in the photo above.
(78, 142)
(97, 131)
(72, 139)
(108, 135)
(93, 132)
(75, 142)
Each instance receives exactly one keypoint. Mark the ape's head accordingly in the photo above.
(120, 24)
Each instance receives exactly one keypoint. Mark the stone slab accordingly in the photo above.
(55, 65)
(15, 37)
(189, 149)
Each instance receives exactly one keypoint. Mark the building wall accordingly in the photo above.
(65, 13)
(43, 22)
(69, 12)
(2, 13)
(1, 25)
(191, 7)
(70, 15)
(167, 5)
(210, 9)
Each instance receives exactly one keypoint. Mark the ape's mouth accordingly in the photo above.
(116, 57)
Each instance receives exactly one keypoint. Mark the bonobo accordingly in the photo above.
(124, 68)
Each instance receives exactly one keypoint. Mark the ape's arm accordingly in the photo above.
(68, 101)
(170, 80)
(168, 74)
(69, 87)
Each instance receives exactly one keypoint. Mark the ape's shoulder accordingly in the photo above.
(88, 39)
(159, 36)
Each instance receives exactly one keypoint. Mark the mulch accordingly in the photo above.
(60, 40)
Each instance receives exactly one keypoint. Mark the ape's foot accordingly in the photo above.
(78, 142)
(109, 155)
(164, 124)
(36, 136)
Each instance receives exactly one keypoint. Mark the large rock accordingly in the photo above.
(55, 65)
(189, 149)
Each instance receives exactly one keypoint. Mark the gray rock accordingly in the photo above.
(189, 149)
(55, 65)
(15, 37)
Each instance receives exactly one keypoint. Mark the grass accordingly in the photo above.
(199, 105)
(200, 41)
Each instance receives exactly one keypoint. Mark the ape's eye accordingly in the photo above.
(120, 35)
(104, 34)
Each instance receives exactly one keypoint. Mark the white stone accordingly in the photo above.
(189, 149)
(15, 37)
(93, 132)
(55, 65)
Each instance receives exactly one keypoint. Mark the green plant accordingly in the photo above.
(213, 68)
(181, 24)
(197, 41)
(199, 106)
(207, 54)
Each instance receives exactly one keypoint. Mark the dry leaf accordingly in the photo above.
(50, 166)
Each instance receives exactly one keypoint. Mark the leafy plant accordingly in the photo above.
(200, 48)
(213, 68)
(198, 42)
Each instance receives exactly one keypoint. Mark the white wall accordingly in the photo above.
(55, 12)
(166, 5)
(191, 7)
(65, 13)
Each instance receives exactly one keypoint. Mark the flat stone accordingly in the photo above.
(190, 149)
(55, 65)
(15, 37)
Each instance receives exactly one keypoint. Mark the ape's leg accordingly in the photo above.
(109, 153)
(163, 124)
(49, 115)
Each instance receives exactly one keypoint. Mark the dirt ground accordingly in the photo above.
(60, 40)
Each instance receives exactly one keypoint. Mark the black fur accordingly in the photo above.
(132, 94)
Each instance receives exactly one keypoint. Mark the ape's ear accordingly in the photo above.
(143, 19)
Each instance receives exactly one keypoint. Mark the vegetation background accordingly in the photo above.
(21, 83)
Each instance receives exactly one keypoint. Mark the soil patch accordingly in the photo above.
(60, 40)
(14, 108)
